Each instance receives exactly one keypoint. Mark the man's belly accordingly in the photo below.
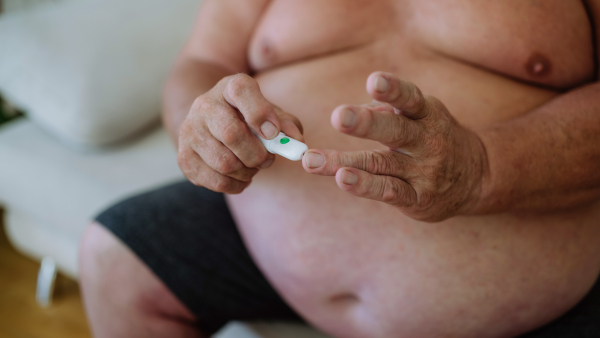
(359, 268)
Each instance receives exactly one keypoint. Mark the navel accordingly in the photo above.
(538, 65)
(344, 299)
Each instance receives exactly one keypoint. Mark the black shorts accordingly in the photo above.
(186, 235)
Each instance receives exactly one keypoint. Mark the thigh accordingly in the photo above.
(187, 237)
(122, 297)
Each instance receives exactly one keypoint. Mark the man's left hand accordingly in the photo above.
(434, 168)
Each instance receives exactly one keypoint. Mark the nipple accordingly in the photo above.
(538, 65)
(267, 51)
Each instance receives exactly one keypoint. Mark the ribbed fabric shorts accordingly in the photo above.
(188, 238)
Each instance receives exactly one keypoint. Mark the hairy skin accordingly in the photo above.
(505, 158)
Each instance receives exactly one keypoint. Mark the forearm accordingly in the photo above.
(189, 79)
(546, 160)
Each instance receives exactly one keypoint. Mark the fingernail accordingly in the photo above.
(348, 118)
(314, 160)
(349, 177)
(268, 129)
(266, 164)
(381, 84)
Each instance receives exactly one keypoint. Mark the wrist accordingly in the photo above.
(478, 201)
(496, 185)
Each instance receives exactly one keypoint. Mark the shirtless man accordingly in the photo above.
(463, 202)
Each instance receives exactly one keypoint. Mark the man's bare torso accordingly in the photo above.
(360, 268)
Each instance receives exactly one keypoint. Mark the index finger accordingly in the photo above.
(402, 95)
(243, 93)
(377, 124)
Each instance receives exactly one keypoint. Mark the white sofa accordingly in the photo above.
(89, 74)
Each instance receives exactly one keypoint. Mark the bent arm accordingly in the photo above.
(546, 160)
(216, 48)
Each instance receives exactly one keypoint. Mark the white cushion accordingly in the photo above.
(91, 72)
(51, 193)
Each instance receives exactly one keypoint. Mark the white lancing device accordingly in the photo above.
(285, 146)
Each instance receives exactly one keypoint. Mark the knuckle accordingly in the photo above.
(377, 162)
(368, 191)
(259, 158)
(371, 162)
(415, 100)
(201, 106)
(238, 189)
(195, 178)
(436, 145)
(227, 164)
(198, 103)
(390, 192)
(238, 85)
(222, 184)
(183, 159)
(186, 128)
(185, 131)
(233, 133)
(401, 134)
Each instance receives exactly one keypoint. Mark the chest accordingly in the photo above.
(546, 42)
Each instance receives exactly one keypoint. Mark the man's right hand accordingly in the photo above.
(217, 149)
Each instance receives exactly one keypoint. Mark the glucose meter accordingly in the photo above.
(284, 146)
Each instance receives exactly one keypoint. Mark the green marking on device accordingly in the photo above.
(284, 140)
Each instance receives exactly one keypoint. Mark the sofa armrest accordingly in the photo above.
(91, 72)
